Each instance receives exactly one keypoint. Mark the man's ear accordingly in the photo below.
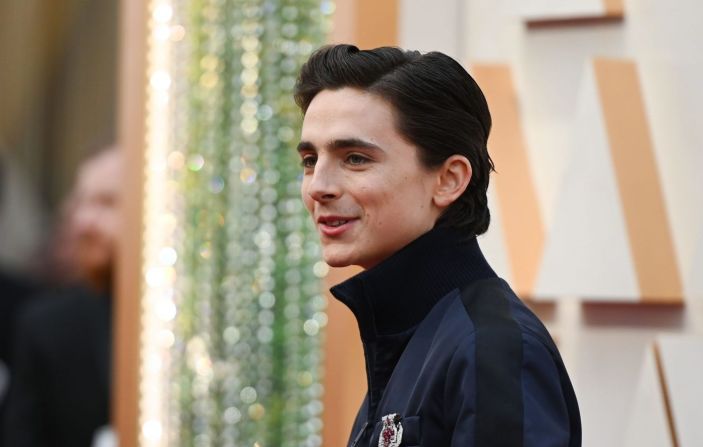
(452, 180)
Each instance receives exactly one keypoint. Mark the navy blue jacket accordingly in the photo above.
(455, 354)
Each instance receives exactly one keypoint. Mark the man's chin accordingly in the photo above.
(97, 272)
(335, 262)
(94, 266)
(346, 261)
(337, 258)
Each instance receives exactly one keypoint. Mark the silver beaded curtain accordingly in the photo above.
(245, 358)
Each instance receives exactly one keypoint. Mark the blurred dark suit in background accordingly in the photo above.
(14, 292)
(60, 380)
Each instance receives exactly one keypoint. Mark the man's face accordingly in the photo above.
(363, 184)
(95, 215)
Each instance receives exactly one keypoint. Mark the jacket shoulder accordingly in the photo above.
(511, 372)
(493, 307)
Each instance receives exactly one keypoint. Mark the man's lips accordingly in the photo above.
(335, 225)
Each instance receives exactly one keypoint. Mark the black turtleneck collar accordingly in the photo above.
(396, 294)
(390, 299)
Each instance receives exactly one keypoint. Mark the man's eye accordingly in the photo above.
(356, 159)
(308, 161)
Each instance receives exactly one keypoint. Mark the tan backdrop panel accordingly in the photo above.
(345, 375)
(125, 404)
(638, 182)
(376, 23)
(517, 198)
(343, 24)
(614, 8)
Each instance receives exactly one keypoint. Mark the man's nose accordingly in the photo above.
(324, 185)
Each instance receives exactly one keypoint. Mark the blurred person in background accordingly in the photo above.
(59, 389)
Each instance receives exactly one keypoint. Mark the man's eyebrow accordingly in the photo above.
(306, 146)
(344, 143)
(341, 143)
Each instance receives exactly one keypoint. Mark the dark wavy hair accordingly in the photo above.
(437, 105)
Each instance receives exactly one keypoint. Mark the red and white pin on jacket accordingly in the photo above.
(392, 431)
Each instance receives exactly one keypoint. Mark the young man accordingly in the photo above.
(393, 150)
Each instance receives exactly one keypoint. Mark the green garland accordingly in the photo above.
(245, 364)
